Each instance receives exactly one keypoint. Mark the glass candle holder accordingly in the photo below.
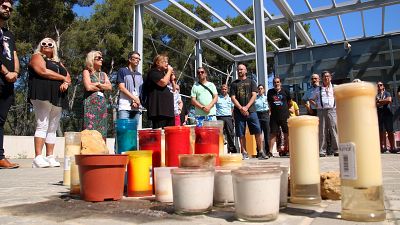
(140, 175)
(223, 188)
(72, 147)
(304, 160)
(359, 152)
(192, 190)
(177, 141)
(256, 193)
(231, 160)
(163, 184)
(220, 125)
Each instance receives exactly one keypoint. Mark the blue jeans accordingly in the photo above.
(200, 119)
(129, 114)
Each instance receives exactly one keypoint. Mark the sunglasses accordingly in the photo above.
(6, 7)
(47, 44)
(380, 84)
(277, 82)
(201, 72)
(98, 58)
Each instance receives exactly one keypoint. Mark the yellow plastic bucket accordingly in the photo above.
(140, 173)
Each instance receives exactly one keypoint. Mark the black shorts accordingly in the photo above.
(385, 122)
(275, 123)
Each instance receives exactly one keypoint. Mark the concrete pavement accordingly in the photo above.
(36, 196)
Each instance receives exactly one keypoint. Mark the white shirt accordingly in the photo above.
(326, 97)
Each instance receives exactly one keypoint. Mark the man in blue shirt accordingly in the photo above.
(130, 83)
(224, 113)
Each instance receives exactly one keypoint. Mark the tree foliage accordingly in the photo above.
(110, 29)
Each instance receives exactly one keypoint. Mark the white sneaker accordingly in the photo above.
(52, 161)
(40, 162)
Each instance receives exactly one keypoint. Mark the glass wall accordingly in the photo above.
(370, 59)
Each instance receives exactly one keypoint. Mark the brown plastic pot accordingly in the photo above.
(101, 176)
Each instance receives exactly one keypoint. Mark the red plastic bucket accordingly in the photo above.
(177, 141)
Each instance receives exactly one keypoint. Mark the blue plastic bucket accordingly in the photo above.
(126, 135)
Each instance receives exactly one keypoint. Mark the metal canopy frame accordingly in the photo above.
(288, 17)
(336, 9)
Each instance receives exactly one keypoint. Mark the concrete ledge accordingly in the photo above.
(21, 147)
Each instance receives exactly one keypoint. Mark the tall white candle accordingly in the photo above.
(358, 123)
(304, 150)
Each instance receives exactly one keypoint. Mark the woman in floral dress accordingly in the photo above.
(96, 83)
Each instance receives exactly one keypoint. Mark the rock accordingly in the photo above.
(330, 186)
(93, 143)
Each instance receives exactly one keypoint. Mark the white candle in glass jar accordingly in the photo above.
(304, 150)
(69, 154)
(358, 123)
(256, 193)
(163, 184)
(192, 190)
(223, 189)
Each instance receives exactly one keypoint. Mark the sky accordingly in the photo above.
(352, 21)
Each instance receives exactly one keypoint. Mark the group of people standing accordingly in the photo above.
(247, 104)
(244, 104)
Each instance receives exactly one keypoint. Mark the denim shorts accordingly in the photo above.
(129, 114)
(200, 119)
(252, 122)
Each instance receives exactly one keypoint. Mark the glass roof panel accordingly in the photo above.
(373, 21)
(391, 15)
(352, 25)
(332, 28)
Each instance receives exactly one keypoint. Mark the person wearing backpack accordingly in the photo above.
(204, 96)
(130, 83)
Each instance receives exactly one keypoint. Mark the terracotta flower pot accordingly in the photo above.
(101, 176)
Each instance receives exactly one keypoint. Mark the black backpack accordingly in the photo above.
(144, 94)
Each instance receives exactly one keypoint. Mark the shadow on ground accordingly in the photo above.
(67, 207)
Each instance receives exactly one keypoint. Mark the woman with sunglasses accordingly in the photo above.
(96, 83)
(47, 91)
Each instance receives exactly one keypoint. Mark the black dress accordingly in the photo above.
(44, 89)
(161, 100)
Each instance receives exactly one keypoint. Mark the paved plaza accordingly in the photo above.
(36, 196)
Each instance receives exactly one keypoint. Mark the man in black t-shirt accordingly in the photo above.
(278, 99)
(8, 75)
(243, 95)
